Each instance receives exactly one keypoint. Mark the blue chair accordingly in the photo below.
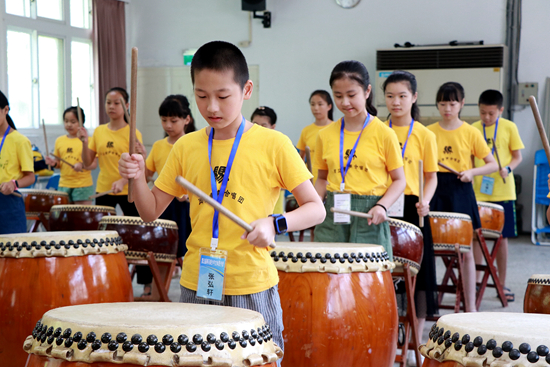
(540, 229)
(53, 182)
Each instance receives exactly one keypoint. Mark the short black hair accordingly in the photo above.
(491, 97)
(220, 56)
(265, 111)
(177, 105)
(449, 92)
(74, 109)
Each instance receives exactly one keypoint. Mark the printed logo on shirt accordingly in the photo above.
(219, 172)
(348, 151)
(489, 141)
(69, 150)
(110, 144)
(229, 195)
(448, 150)
(401, 145)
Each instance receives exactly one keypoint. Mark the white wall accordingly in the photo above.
(309, 37)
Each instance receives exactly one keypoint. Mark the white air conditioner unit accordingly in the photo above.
(477, 68)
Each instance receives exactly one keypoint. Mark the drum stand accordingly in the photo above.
(453, 260)
(409, 321)
(162, 285)
(489, 269)
(40, 218)
(301, 235)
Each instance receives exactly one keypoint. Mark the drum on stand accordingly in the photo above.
(78, 217)
(338, 302)
(407, 244)
(494, 339)
(450, 229)
(537, 294)
(41, 201)
(151, 334)
(492, 219)
(46, 270)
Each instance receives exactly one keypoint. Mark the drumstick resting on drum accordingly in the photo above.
(220, 208)
(100, 194)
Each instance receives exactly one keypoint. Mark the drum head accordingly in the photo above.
(541, 279)
(163, 334)
(494, 206)
(83, 208)
(479, 339)
(43, 192)
(63, 244)
(136, 221)
(319, 257)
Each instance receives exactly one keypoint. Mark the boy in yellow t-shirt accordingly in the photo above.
(243, 166)
(503, 139)
(76, 181)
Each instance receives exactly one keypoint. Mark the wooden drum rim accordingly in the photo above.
(82, 208)
(403, 224)
(137, 221)
(43, 192)
(449, 215)
(539, 279)
(485, 204)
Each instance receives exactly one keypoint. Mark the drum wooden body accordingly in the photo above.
(41, 201)
(407, 244)
(151, 334)
(537, 294)
(160, 236)
(38, 273)
(492, 218)
(338, 304)
(78, 217)
(498, 339)
(450, 229)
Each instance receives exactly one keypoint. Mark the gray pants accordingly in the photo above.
(267, 303)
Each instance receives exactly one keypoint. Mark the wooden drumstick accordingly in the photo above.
(100, 194)
(62, 160)
(448, 168)
(498, 161)
(79, 112)
(308, 159)
(540, 126)
(133, 107)
(352, 213)
(126, 114)
(15, 193)
(46, 142)
(220, 208)
(420, 189)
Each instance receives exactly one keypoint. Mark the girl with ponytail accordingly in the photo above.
(357, 156)
(16, 170)
(417, 143)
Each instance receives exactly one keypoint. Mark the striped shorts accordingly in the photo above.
(267, 303)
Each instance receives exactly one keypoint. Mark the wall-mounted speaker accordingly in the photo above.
(253, 5)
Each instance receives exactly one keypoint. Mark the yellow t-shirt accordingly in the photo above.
(508, 140)
(70, 149)
(421, 146)
(377, 154)
(15, 157)
(158, 156)
(266, 161)
(456, 147)
(308, 138)
(109, 145)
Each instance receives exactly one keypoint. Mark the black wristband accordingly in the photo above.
(382, 206)
(16, 183)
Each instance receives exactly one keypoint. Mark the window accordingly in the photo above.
(49, 60)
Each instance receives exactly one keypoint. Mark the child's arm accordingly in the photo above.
(149, 203)
(392, 194)
(91, 167)
(430, 184)
(516, 160)
(489, 167)
(88, 155)
(321, 183)
(310, 213)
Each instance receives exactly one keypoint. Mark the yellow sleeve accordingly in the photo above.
(480, 149)
(150, 161)
(318, 159)
(392, 152)
(139, 137)
(92, 141)
(172, 168)
(24, 154)
(292, 169)
(515, 138)
(302, 141)
(430, 153)
(56, 148)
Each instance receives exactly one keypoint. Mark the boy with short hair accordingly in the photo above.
(508, 143)
(247, 165)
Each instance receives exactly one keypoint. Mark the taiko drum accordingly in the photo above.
(151, 334)
(41, 201)
(338, 302)
(407, 244)
(537, 294)
(42, 271)
(488, 339)
(492, 218)
(159, 236)
(78, 217)
(450, 229)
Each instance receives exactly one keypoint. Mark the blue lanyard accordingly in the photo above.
(344, 171)
(219, 195)
(406, 141)
(494, 137)
(4, 138)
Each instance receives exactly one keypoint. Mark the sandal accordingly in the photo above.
(510, 297)
(146, 290)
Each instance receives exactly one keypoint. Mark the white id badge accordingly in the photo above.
(211, 274)
(398, 208)
(342, 201)
(487, 184)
